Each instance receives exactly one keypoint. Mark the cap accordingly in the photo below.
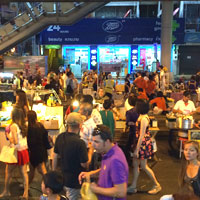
(75, 118)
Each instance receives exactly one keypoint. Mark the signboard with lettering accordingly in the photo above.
(111, 31)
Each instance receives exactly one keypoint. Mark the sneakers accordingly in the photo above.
(155, 189)
(131, 190)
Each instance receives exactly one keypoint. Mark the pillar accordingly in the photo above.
(166, 33)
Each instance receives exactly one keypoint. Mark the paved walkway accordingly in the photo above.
(166, 170)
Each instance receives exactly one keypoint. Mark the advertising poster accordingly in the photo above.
(28, 64)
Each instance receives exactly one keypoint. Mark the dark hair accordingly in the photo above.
(54, 181)
(19, 119)
(128, 75)
(69, 73)
(87, 99)
(186, 93)
(132, 100)
(87, 108)
(32, 118)
(159, 94)
(142, 106)
(143, 74)
(140, 90)
(107, 104)
(193, 77)
(78, 97)
(22, 98)
(161, 66)
(104, 132)
(151, 77)
(186, 192)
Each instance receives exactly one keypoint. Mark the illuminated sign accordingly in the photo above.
(134, 57)
(93, 57)
(52, 46)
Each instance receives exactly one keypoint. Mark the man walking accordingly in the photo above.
(113, 174)
(73, 154)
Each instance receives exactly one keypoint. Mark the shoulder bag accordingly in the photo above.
(8, 154)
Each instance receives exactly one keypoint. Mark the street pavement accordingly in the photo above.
(166, 170)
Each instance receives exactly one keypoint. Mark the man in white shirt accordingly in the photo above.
(185, 106)
(87, 127)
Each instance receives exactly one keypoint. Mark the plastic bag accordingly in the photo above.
(86, 192)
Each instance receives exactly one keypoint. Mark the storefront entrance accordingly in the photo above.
(114, 59)
(77, 57)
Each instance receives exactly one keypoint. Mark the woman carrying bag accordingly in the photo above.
(17, 137)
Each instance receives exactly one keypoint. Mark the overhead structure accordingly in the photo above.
(166, 33)
(35, 19)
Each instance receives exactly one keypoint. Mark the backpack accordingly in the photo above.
(69, 88)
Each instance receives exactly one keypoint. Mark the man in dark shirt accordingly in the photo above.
(73, 154)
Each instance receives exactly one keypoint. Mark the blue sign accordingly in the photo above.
(192, 38)
(93, 57)
(110, 31)
(134, 57)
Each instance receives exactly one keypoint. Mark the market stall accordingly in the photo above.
(51, 115)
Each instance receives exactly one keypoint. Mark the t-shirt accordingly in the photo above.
(131, 116)
(160, 102)
(140, 83)
(72, 151)
(87, 130)
(142, 95)
(96, 117)
(185, 108)
(151, 86)
(114, 170)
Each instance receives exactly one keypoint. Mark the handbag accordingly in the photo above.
(8, 154)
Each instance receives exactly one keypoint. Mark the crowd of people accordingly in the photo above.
(87, 148)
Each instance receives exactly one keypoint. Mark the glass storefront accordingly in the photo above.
(113, 59)
(147, 56)
(78, 57)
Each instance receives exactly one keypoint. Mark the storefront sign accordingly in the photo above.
(107, 31)
(93, 57)
(116, 67)
(192, 38)
(52, 46)
(134, 57)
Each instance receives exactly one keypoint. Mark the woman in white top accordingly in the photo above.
(17, 137)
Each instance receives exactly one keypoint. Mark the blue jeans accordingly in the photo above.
(72, 193)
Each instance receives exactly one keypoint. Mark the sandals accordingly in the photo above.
(5, 195)
(131, 190)
(155, 189)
